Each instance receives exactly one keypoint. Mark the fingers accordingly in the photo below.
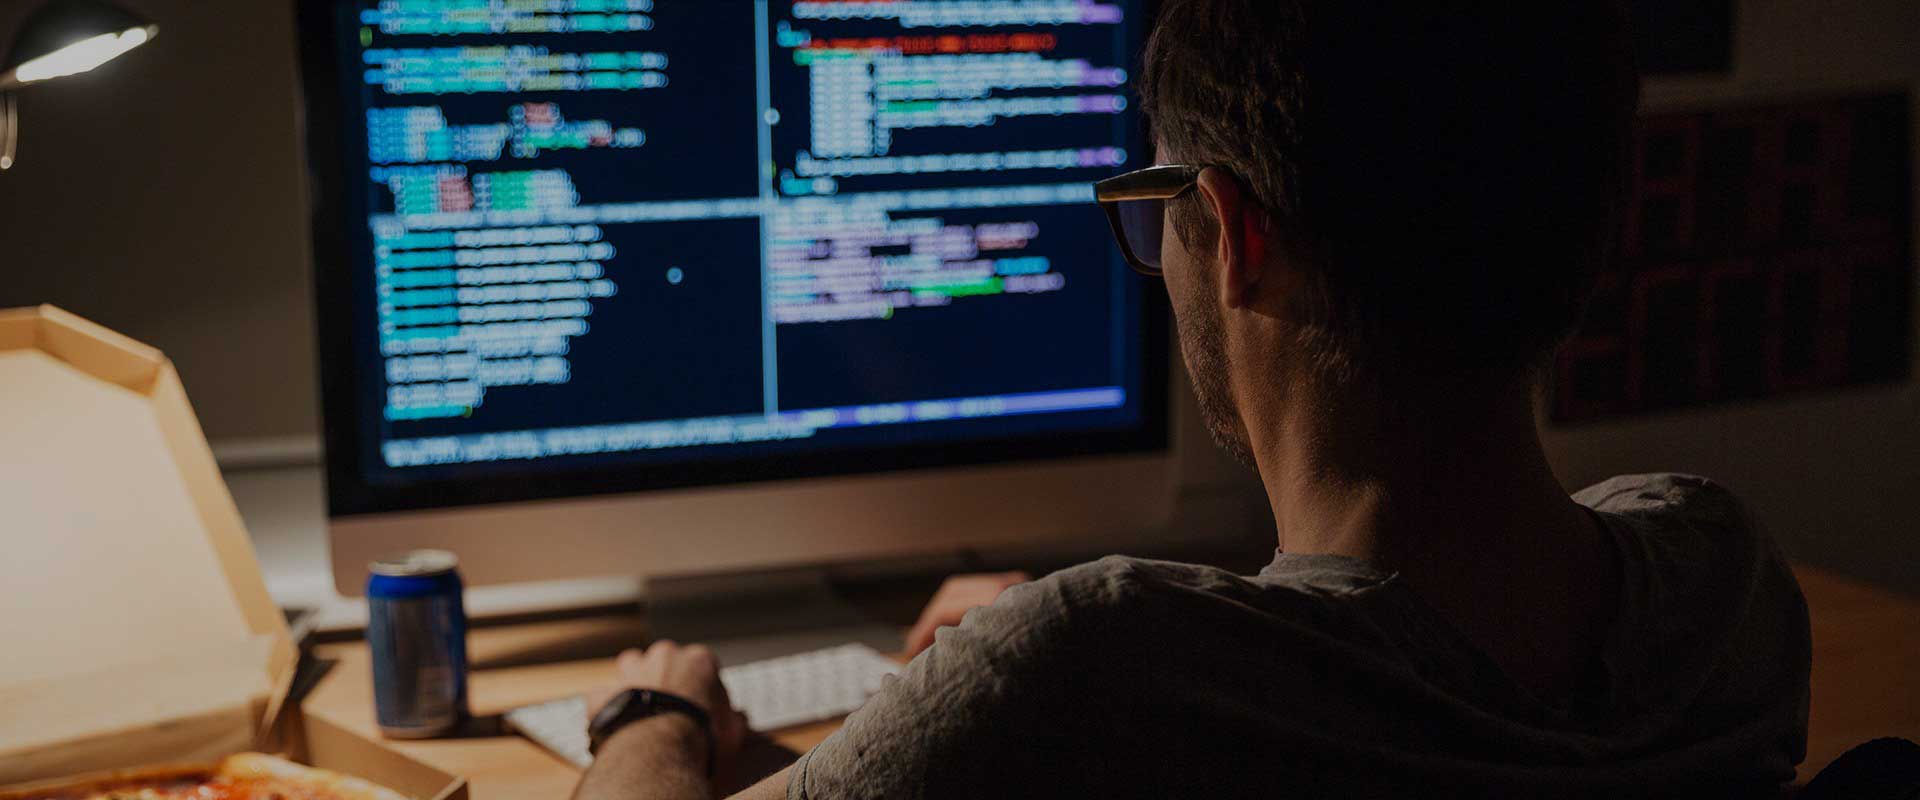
(731, 727)
(701, 656)
(921, 637)
(729, 738)
(957, 595)
(696, 669)
(721, 700)
(629, 659)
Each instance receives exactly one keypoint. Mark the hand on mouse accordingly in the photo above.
(958, 595)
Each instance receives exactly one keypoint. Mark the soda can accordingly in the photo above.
(417, 631)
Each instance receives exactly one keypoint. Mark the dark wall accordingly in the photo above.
(161, 195)
(1832, 473)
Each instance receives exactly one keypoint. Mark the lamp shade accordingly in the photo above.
(66, 37)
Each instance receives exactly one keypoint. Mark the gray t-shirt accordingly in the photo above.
(1127, 677)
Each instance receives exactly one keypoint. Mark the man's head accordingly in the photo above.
(1407, 191)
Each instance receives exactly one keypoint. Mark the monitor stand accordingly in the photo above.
(748, 617)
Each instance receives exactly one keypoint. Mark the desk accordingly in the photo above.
(1866, 665)
(1866, 646)
(514, 666)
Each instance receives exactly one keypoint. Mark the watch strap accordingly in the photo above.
(634, 705)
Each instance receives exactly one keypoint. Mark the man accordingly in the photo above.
(1376, 220)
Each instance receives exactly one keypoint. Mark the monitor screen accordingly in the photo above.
(577, 246)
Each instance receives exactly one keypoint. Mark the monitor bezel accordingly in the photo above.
(349, 494)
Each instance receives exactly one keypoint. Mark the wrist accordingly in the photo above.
(677, 732)
(634, 706)
(669, 737)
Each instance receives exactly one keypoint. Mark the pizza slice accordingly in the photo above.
(245, 776)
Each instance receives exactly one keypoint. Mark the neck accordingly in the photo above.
(1410, 479)
(1450, 489)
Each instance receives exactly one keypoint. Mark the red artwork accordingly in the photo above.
(1763, 251)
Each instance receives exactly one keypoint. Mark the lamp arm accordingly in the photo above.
(9, 127)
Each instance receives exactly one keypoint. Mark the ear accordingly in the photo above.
(1241, 248)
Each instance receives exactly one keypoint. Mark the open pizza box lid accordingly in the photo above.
(135, 626)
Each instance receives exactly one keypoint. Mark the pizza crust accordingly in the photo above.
(314, 782)
(94, 784)
(342, 787)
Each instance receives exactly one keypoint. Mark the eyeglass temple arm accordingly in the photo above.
(1155, 183)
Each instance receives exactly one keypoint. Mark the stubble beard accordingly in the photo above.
(1203, 343)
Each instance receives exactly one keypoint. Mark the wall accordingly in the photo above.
(161, 195)
(1834, 474)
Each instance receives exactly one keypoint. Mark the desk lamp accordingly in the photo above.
(64, 37)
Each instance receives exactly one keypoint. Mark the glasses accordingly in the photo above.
(1136, 205)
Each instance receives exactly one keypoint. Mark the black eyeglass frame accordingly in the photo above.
(1165, 182)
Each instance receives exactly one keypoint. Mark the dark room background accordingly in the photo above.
(162, 196)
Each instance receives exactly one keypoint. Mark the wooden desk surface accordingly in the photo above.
(1866, 644)
(515, 666)
(1866, 665)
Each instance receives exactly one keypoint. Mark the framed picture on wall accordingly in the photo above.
(1764, 250)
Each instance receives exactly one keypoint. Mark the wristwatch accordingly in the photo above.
(634, 705)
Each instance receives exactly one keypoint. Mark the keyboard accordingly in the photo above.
(559, 726)
(775, 693)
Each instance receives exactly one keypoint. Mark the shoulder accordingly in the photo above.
(1684, 523)
(1666, 495)
(1083, 599)
(1675, 517)
(1037, 632)
(1715, 605)
(1026, 663)
(1119, 580)
(1032, 618)
(1149, 613)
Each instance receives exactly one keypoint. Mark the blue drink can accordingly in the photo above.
(417, 631)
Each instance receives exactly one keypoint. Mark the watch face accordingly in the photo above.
(613, 709)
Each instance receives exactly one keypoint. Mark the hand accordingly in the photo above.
(958, 595)
(688, 671)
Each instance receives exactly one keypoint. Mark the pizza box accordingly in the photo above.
(135, 628)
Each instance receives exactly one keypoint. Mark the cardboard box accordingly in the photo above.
(134, 625)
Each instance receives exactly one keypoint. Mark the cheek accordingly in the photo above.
(1181, 272)
(1172, 250)
(1174, 273)
(1175, 264)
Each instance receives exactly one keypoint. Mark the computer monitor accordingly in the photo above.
(673, 286)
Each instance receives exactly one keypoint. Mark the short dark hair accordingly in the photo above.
(1448, 170)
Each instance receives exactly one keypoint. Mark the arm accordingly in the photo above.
(656, 758)
(665, 757)
(979, 714)
(660, 757)
(958, 595)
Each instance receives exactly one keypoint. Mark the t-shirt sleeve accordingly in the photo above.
(965, 718)
(1723, 622)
